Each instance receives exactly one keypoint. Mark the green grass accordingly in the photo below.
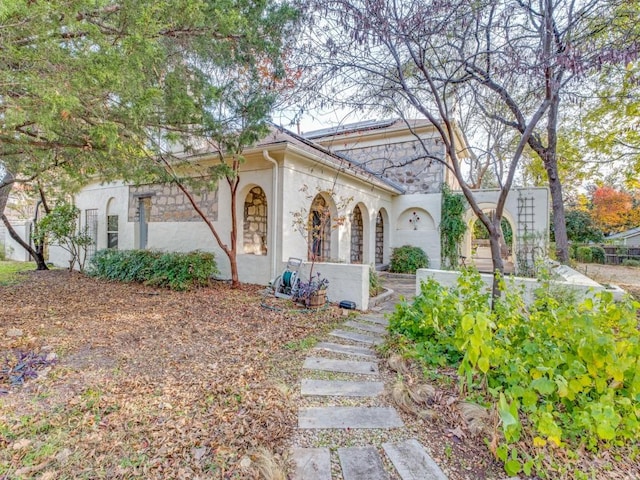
(9, 271)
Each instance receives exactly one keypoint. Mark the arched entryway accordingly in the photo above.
(320, 218)
(477, 249)
(357, 235)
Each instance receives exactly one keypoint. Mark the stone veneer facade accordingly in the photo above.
(255, 222)
(379, 239)
(357, 236)
(169, 204)
(404, 164)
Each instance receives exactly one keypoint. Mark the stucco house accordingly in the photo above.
(381, 179)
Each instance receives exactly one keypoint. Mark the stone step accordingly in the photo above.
(359, 463)
(412, 461)
(341, 388)
(349, 417)
(367, 327)
(357, 337)
(311, 463)
(374, 318)
(346, 349)
(342, 366)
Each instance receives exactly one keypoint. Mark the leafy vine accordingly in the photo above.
(452, 227)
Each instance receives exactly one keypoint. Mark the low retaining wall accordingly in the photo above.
(567, 279)
(346, 281)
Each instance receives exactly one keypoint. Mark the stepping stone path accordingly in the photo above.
(404, 459)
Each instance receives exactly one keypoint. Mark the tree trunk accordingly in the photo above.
(559, 223)
(496, 259)
(37, 255)
(550, 159)
(5, 190)
(233, 251)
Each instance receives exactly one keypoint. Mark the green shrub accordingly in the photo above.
(630, 262)
(375, 285)
(408, 259)
(597, 254)
(177, 271)
(560, 374)
(584, 255)
(3, 253)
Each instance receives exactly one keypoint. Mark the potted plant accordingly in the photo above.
(312, 294)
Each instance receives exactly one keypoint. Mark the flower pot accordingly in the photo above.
(317, 299)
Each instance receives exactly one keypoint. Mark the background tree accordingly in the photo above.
(556, 46)
(581, 228)
(412, 59)
(614, 210)
(99, 90)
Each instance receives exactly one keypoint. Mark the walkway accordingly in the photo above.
(347, 428)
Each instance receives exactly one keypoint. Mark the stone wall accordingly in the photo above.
(404, 163)
(357, 236)
(255, 222)
(379, 239)
(169, 204)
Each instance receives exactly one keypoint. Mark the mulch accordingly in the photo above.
(149, 383)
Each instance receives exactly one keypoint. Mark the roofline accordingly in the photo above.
(338, 156)
(627, 233)
(283, 146)
(463, 149)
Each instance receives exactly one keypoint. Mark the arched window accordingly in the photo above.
(319, 230)
(255, 222)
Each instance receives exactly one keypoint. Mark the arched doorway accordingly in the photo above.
(357, 235)
(319, 230)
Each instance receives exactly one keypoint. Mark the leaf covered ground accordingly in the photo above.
(148, 383)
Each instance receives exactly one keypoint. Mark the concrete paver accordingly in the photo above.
(374, 318)
(311, 463)
(349, 417)
(346, 349)
(341, 388)
(357, 337)
(359, 463)
(412, 461)
(367, 327)
(343, 366)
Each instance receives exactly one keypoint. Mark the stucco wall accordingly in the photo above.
(13, 250)
(302, 181)
(426, 236)
(346, 281)
(567, 278)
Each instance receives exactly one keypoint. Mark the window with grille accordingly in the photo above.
(91, 226)
(112, 231)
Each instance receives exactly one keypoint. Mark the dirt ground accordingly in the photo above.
(626, 277)
(149, 383)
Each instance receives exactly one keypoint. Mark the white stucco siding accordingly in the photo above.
(427, 235)
(115, 197)
(302, 181)
(12, 249)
